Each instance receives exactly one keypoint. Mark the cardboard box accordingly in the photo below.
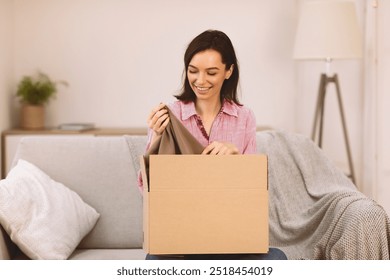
(202, 204)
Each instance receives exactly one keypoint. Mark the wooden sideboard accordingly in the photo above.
(10, 139)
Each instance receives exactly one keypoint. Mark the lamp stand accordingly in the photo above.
(319, 117)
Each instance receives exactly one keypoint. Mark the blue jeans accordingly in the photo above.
(273, 254)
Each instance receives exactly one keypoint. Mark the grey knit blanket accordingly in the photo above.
(315, 210)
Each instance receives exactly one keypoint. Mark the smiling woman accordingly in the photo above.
(208, 105)
(209, 108)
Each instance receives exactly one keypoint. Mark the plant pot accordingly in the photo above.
(32, 116)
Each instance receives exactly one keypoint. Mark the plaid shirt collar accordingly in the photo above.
(188, 109)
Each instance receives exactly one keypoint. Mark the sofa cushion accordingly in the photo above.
(43, 217)
(108, 254)
(101, 171)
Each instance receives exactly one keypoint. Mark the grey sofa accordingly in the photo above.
(315, 210)
(101, 170)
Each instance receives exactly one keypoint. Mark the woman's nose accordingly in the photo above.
(201, 79)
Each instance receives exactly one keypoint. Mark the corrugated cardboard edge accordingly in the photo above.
(267, 166)
(145, 206)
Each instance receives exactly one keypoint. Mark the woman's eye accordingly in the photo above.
(192, 71)
(212, 74)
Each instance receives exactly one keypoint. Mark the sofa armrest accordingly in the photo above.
(4, 245)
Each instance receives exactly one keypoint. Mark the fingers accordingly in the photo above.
(164, 124)
(220, 148)
(207, 150)
(160, 124)
(212, 149)
(158, 119)
(156, 109)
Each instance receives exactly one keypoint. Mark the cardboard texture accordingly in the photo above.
(202, 204)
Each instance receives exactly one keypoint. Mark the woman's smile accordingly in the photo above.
(202, 90)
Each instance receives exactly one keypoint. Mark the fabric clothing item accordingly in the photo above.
(175, 139)
(273, 254)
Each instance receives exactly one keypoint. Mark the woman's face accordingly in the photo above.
(206, 74)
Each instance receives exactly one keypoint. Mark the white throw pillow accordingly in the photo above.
(43, 217)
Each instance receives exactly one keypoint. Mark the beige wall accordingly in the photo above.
(6, 9)
(121, 58)
(382, 98)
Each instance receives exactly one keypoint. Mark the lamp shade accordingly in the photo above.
(328, 29)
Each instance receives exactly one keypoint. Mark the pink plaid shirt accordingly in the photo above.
(234, 124)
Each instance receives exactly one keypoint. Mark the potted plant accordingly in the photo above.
(34, 93)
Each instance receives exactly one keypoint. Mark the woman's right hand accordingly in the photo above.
(158, 119)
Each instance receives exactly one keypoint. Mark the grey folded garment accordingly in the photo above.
(175, 139)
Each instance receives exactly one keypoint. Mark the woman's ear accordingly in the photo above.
(229, 72)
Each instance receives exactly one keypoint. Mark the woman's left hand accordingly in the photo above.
(220, 148)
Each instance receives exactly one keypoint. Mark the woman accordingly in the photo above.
(208, 107)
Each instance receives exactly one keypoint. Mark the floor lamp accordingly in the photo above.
(328, 30)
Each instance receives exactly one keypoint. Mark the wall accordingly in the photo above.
(6, 8)
(370, 112)
(121, 58)
(382, 191)
(376, 136)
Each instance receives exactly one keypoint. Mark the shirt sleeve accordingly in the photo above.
(250, 146)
